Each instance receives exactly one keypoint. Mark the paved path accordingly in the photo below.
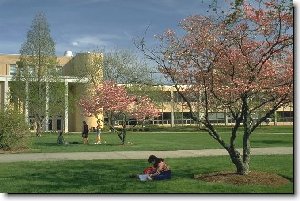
(7, 158)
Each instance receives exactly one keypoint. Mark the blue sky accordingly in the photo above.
(87, 25)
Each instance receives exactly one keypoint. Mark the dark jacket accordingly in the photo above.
(85, 131)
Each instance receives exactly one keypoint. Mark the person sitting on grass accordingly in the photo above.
(161, 169)
(60, 138)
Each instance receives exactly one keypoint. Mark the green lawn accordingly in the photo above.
(112, 176)
(270, 128)
(268, 136)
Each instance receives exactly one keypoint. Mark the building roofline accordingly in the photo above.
(10, 54)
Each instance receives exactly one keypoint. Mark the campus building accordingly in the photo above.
(173, 109)
(69, 120)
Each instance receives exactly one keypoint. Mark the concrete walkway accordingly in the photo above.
(7, 158)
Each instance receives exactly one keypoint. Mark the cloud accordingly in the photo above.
(90, 42)
(86, 41)
(95, 40)
(75, 43)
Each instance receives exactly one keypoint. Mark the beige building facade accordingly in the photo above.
(173, 110)
(69, 120)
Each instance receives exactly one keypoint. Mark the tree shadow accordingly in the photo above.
(50, 144)
(270, 142)
(67, 177)
(291, 179)
(75, 143)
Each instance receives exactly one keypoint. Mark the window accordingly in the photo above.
(285, 116)
(59, 70)
(166, 115)
(31, 70)
(12, 69)
(55, 71)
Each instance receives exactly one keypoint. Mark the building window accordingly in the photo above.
(59, 70)
(12, 69)
(31, 70)
(285, 116)
(55, 70)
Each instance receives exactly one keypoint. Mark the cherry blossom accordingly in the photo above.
(111, 99)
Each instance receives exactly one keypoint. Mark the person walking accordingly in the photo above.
(98, 134)
(85, 133)
(122, 134)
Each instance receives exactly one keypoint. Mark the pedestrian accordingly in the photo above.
(85, 133)
(98, 134)
(122, 133)
(60, 138)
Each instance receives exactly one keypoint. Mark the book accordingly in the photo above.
(143, 177)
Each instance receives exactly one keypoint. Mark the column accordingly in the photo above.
(162, 114)
(172, 108)
(199, 109)
(47, 108)
(226, 117)
(275, 118)
(26, 102)
(6, 95)
(66, 120)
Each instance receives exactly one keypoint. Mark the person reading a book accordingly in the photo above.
(160, 169)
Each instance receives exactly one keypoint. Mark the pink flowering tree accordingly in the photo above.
(143, 109)
(242, 64)
(108, 99)
(112, 100)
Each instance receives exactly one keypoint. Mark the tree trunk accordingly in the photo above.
(110, 122)
(247, 122)
(242, 167)
(39, 124)
(246, 152)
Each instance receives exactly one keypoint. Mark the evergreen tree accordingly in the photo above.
(38, 74)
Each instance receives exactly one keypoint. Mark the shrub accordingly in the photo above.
(14, 131)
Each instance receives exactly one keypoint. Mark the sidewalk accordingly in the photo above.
(7, 158)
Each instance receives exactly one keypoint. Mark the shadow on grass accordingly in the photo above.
(68, 177)
(112, 176)
(291, 179)
(279, 142)
(50, 144)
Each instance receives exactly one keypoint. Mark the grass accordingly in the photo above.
(112, 176)
(268, 136)
(178, 128)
